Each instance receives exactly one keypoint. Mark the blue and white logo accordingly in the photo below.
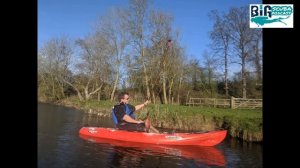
(271, 15)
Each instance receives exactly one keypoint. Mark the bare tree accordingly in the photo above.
(112, 28)
(94, 69)
(258, 55)
(180, 77)
(136, 24)
(54, 61)
(210, 65)
(175, 69)
(160, 25)
(242, 37)
(220, 36)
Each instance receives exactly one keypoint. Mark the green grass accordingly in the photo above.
(245, 119)
(245, 124)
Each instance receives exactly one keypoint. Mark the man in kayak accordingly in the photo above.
(124, 117)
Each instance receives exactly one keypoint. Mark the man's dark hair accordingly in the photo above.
(122, 94)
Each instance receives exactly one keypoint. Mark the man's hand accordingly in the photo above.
(147, 102)
(139, 122)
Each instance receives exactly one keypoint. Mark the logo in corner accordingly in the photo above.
(271, 15)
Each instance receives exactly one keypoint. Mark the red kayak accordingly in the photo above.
(183, 139)
(206, 155)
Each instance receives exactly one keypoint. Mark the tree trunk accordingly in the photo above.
(115, 86)
(178, 92)
(257, 63)
(53, 90)
(164, 76)
(153, 97)
(79, 96)
(160, 97)
(62, 90)
(164, 89)
(145, 75)
(61, 87)
(187, 96)
(153, 93)
(226, 72)
(88, 95)
(99, 95)
(53, 86)
(170, 90)
(210, 83)
(75, 88)
(244, 75)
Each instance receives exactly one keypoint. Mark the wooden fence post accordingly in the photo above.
(232, 102)
(215, 102)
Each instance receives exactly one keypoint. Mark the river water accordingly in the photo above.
(60, 146)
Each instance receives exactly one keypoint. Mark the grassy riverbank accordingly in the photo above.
(244, 124)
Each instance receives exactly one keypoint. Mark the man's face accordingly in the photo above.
(125, 100)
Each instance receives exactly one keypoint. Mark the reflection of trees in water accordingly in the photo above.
(135, 157)
(87, 119)
(240, 152)
(125, 157)
(94, 120)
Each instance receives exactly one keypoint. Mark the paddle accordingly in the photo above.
(148, 124)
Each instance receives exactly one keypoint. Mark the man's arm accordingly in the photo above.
(140, 106)
(127, 118)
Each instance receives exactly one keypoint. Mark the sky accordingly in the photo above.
(74, 18)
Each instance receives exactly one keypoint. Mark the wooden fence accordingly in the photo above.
(234, 103)
(240, 103)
